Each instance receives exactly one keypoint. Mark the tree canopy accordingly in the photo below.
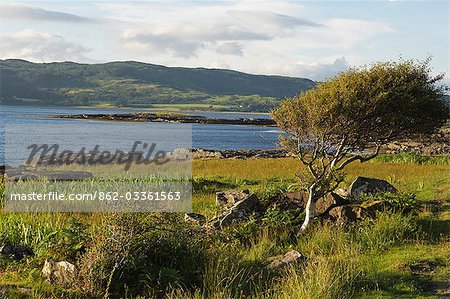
(351, 116)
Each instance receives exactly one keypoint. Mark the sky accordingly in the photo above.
(311, 39)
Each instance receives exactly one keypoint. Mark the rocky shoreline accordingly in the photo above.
(171, 118)
(438, 144)
(238, 154)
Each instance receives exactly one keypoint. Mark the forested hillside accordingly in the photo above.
(135, 84)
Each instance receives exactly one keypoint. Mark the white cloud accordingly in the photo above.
(184, 40)
(40, 47)
(272, 21)
(31, 13)
(266, 37)
(344, 33)
(325, 68)
(231, 48)
(321, 71)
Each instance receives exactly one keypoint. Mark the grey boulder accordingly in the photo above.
(365, 185)
(290, 257)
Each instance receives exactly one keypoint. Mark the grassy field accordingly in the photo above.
(394, 256)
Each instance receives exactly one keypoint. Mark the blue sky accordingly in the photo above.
(306, 39)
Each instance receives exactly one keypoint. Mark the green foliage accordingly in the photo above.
(369, 105)
(38, 234)
(270, 189)
(69, 242)
(153, 255)
(136, 250)
(403, 202)
(325, 277)
(279, 217)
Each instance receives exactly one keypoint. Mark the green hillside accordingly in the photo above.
(135, 84)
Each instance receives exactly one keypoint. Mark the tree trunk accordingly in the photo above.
(310, 208)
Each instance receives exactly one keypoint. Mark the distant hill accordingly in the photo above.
(136, 84)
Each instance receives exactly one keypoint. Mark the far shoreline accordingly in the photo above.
(168, 110)
(169, 117)
(137, 109)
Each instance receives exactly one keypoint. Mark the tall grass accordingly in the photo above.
(386, 230)
(338, 266)
(429, 181)
(324, 277)
(412, 159)
(173, 260)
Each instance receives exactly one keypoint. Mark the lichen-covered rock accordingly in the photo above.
(232, 216)
(241, 210)
(58, 272)
(290, 257)
(249, 205)
(369, 186)
(348, 213)
(230, 197)
(341, 192)
(299, 199)
(198, 219)
(351, 212)
(328, 202)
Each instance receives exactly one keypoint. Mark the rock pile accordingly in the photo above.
(24, 173)
(437, 144)
(342, 206)
(238, 154)
(237, 206)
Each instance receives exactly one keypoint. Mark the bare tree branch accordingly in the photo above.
(360, 158)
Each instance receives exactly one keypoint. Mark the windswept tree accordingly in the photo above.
(352, 116)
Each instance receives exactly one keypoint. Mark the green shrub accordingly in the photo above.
(49, 235)
(403, 202)
(276, 216)
(69, 242)
(270, 189)
(142, 253)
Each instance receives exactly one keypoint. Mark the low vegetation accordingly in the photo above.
(159, 255)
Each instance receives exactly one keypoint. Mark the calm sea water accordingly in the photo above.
(215, 137)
